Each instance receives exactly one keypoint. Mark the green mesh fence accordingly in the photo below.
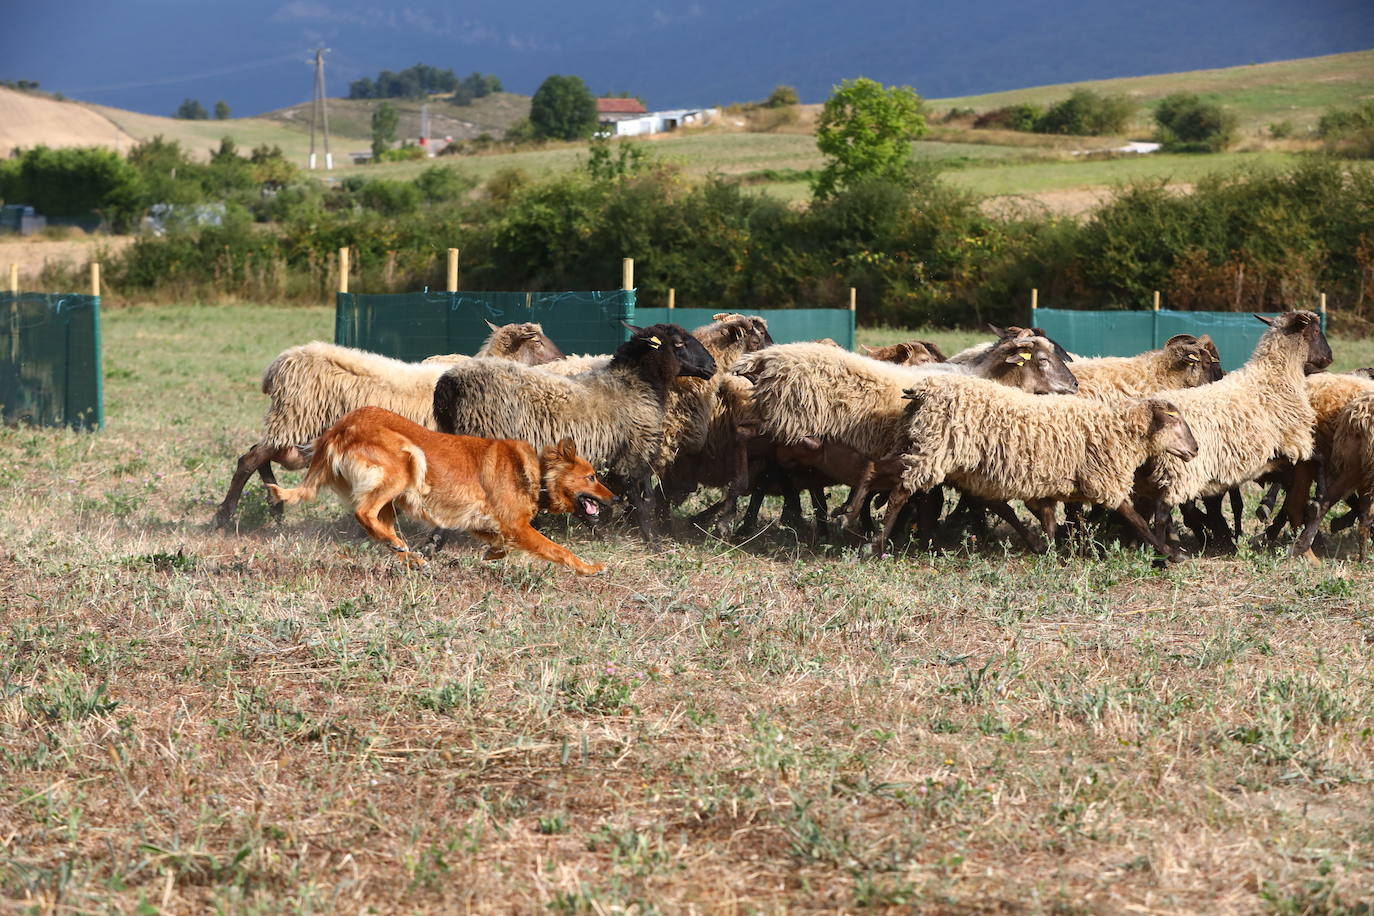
(784, 325)
(1122, 333)
(50, 362)
(412, 326)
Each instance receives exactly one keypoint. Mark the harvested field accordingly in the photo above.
(34, 253)
(280, 718)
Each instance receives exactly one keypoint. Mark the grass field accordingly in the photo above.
(280, 719)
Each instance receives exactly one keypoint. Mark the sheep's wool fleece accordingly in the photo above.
(1107, 377)
(576, 365)
(614, 416)
(1328, 393)
(1242, 422)
(1351, 443)
(808, 389)
(1000, 443)
(314, 385)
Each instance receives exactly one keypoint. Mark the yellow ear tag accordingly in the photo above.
(1025, 357)
(1170, 413)
(655, 342)
(1193, 357)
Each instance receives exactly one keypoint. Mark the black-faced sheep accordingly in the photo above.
(615, 413)
(312, 386)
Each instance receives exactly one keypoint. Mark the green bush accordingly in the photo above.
(1023, 117)
(1190, 125)
(75, 182)
(1088, 114)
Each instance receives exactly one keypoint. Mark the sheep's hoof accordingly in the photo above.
(1311, 557)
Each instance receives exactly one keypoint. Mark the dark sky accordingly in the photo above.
(148, 55)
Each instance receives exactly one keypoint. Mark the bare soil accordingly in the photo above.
(32, 254)
(27, 120)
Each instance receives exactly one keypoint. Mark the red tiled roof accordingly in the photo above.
(619, 106)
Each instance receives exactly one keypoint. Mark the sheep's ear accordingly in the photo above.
(1301, 319)
(1268, 321)
(867, 349)
(934, 350)
(998, 331)
(629, 327)
(1179, 340)
(494, 327)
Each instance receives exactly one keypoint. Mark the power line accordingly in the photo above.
(189, 78)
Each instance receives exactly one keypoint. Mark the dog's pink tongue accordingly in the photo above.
(590, 507)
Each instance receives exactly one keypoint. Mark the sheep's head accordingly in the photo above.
(907, 353)
(1012, 332)
(1029, 363)
(730, 331)
(1306, 326)
(1365, 372)
(756, 332)
(1192, 359)
(1169, 433)
(667, 350)
(523, 343)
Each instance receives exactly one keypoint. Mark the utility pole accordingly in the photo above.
(320, 103)
(424, 129)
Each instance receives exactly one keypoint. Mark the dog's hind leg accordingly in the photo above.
(378, 517)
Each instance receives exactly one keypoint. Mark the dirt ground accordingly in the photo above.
(1077, 202)
(32, 253)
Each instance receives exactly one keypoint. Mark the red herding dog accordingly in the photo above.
(379, 462)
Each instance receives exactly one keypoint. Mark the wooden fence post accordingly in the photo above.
(343, 270)
(453, 270)
(14, 277)
(853, 299)
(1156, 302)
(627, 273)
(1322, 307)
(672, 297)
(95, 279)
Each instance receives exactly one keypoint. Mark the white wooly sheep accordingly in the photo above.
(312, 386)
(811, 389)
(1346, 441)
(1184, 361)
(1259, 413)
(997, 443)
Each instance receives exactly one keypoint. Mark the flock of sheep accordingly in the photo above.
(1013, 420)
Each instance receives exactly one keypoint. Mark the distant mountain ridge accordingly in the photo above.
(149, 56)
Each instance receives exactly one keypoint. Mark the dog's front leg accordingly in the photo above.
(526, 538)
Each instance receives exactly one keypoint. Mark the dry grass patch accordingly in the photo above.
(281, 718)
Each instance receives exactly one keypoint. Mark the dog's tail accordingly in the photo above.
(315, 477)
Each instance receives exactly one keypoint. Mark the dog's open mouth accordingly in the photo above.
(590, 509)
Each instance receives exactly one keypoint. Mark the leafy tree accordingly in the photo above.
(563, 108)
(474, 86)
(191, 110)
(383, 130)
(1188, 124)
(222, 110)
(781, 97)
(411, 83)
(865, 131)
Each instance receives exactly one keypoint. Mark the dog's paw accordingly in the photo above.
(591, 569)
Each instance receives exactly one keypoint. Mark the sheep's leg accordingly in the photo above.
(1237, 512)
(792, 515)
(1342, 522)
(1142, 529)
(858, 497)
(1215, 521)
(1327, 494)
(1297, 502)
(641, 494)
(248, 464)
(896, 500)
(818, 510)
(1266, 506)
(1007, 514)
(1366, 519)
(1044, 510)
(1196, 520)
(275, 506)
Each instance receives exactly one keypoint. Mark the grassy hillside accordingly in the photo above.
(352, 118)
(1260, 94)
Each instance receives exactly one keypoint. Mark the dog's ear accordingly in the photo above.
(494, 327)
(566, 450)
